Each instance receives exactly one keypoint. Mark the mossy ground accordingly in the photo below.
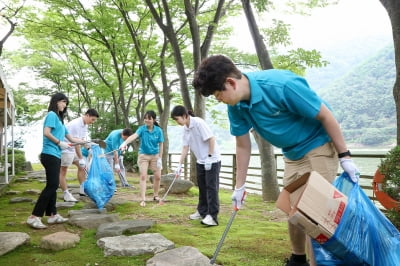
(258, 235)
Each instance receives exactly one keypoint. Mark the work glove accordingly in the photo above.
(178, 169)
(208, 164)
(63, 145)
(350, 168)
(82, 163)
(159, 163)
(117, 168)
(123, 146)
(238, 197)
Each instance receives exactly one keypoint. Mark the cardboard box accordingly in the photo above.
(314, 205)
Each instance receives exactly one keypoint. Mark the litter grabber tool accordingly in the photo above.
(221, 241)
(122, 179)
(104, 154)
(161, 202)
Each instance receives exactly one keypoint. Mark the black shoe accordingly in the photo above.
(83, 195)
(291, 262)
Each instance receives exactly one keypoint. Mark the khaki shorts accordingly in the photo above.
(146, 162)
(68, 158)
(323, 159)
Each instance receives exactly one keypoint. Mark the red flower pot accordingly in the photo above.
(386, 201)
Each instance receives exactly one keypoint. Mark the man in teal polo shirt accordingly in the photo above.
(281, 107)
(114, 155)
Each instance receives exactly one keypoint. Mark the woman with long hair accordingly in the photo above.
(54, 131)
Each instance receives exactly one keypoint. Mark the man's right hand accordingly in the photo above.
(178, 170)
(238, 197)
(123, 146)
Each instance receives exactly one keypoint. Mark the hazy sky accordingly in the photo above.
(345, 21)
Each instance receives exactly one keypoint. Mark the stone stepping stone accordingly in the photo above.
(123, 228)
(182, 256)
(92, 220)
(59, 241)
(147, 243)
(11, 240)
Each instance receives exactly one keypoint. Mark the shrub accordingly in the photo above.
(390, 168)
(19, 160)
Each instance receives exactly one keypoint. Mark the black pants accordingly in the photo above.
(46, 202)
(208, 182)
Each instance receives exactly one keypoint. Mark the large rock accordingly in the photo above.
(179, 186)
(11, 240)
(182, 256)
(134, 245)
(59, 241)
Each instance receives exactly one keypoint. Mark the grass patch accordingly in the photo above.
(256, 236)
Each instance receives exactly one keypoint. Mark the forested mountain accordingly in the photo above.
(363, 103)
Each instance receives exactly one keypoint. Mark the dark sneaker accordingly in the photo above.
(291, 262)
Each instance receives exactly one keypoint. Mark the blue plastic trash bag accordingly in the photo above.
(100, 183)
(364, 235)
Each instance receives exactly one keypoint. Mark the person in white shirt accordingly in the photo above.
(78, 128)
(198, 137)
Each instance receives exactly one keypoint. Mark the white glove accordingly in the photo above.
(350, 168)
(208, 164)
(63, 145)
(238, 197)
(82, 163)
(117, 168)
(159, 163)
(178, 169)
(123, 146)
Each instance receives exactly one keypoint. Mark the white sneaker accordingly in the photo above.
(68, 197)
(56, 219)
(36, 223)
(208, 220)
(195, 216)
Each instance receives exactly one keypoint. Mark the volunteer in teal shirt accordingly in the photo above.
(54, 131)
(114, 155)
(150, 153)
(283, 110)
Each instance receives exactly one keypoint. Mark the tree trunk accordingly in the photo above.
(269, 182)
(393, 9)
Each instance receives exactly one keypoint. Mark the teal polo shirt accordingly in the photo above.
(58, 130)
(149, 140)
(113, 141)
(283, 110)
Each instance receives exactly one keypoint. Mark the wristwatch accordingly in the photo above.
(344, 154)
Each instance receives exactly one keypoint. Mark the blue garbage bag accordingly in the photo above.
(364, 235)
(100, 183)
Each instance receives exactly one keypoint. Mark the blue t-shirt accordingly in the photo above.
(114, 140)
(282, 109)
(149, 140)
(58, 130)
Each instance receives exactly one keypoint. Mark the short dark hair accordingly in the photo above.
(180, 110)
(92, 112)
(212, 73)
(127, 132)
